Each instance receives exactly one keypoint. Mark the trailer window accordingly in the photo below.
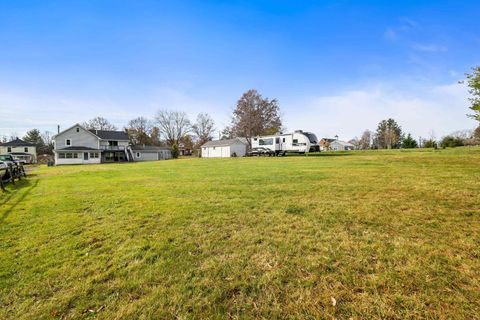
(266, 142)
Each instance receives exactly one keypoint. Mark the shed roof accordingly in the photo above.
(146, 148)
(225, 142)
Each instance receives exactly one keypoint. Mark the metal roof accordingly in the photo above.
(225, 142)
(147, 148)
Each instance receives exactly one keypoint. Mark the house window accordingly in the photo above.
(68, 156)
(75, 155)
(68, 142)
(9, 149)
(93, 155)
(138, 154)
(61, 155)
(283, 139)
(78, 129)
(26, 149)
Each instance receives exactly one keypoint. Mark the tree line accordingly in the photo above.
(256, 115)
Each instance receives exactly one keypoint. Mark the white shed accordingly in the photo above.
(225, 148)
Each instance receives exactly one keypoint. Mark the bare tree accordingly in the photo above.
(365, 140)
(139, 130)
(13, 136)
(47, 142)
(255, 115)
(172, 125)
(355, 142)
(99, 123)
(203, 128)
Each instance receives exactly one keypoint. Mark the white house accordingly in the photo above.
(339, 145)
(77, 145)
(20, 150)
(225, 148)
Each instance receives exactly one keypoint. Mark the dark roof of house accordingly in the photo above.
(17, 143)
(110, 135)
(146, 148)
(225, 142)
(77, 148)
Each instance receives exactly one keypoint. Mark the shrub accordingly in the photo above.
(451, 142)
(175, 151)
(430, 143)
(409, 142)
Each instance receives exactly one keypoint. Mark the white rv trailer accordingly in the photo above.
(298, 141)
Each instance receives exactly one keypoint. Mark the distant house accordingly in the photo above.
(148, 153)
(77, 145)
(184, 150)
(339, 145)
(225, 148)
(20, 150)
(324, 143)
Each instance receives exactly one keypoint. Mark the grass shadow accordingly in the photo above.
(22, 184)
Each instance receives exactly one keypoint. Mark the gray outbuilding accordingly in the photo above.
(150, 153)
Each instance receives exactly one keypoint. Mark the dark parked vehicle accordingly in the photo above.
(15, 169)
(261, 151)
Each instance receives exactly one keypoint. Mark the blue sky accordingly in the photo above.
(336, 67)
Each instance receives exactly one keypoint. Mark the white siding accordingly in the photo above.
(224, 151)
(82, 138)
(30, 150)
(78, 160)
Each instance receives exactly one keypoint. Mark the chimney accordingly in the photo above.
(58, 129)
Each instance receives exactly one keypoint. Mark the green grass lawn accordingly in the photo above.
(392, 235)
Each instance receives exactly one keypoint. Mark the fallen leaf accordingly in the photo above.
(334, 302)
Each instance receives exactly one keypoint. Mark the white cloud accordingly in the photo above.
(438, 108)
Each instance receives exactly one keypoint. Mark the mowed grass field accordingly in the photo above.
(361, 235)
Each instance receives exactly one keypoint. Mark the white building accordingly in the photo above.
(339, 145)
(20, 150)
(225, 148)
